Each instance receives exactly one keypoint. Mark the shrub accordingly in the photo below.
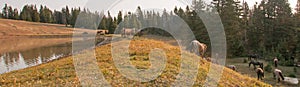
(289, 63)
(286, 63)
(245, 60)
(292, 75)
(268, 68)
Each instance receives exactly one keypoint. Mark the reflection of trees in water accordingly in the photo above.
(46, 53)
(10, 58)
(33, 56)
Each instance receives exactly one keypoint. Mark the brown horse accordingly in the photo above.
(197, 48)
(260, 73)
(233, 67)
(127, 32)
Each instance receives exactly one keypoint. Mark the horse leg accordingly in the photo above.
(249, 64)
(258, 75)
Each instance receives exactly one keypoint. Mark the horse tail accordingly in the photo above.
(281, 76)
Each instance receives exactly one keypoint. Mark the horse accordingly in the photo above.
(260, 73)
(255, 56)
(278, 74)
(127, 32)
(233, 67)
(197, 48)
(275, 61)
(254, 63)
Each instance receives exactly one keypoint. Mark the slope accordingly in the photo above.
(62, 72)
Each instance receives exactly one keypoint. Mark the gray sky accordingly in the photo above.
(124, 5)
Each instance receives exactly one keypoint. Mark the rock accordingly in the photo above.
(291, 80)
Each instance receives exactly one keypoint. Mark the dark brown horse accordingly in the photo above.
(254, 56)
(255, 63)
(260, 73)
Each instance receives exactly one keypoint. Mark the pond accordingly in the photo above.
(23, 59)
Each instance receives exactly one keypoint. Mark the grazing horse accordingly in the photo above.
(260, 73)
(278, 74)
(254, 63)
(233, 67)
(197, 48)
(275, 61)
(127, 32)
(255, 56)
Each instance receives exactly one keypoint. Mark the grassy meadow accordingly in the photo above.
(61, 72)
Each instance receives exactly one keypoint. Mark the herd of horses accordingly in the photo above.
(199, 49)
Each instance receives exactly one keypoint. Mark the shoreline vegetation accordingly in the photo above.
(61, 72)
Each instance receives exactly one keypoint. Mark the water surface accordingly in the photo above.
(23, 59)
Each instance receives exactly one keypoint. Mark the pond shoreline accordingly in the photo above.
(105, 40)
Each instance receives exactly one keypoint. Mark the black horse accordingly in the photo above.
(255, 56)
(255, 63)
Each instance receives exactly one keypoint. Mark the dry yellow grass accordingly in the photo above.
(62, 73)
(17, 35)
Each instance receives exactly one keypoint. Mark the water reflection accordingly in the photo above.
(18, 60)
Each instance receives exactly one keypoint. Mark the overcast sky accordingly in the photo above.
(113, 5)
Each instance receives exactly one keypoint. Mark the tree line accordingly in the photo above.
(269, 28)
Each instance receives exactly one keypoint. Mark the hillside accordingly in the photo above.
(62, 72)
(16, 27)
(16, 35)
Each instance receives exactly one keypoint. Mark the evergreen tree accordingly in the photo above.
(26, 13)
(110, 24)
(229, 12)
(58, 17)
(35, 15)
(64, 16)
(42, 14)
(46, 15)
(10, 12)
(75, 12)
(67, 15)
(5, 11)
(297, 14)
(16, 14)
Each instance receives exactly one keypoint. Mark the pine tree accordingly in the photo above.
(245, 15)
(58, 17)
(109, 23)
(10, 12)
(26, 13)
(16, 14)
(67, 15)
(229, 12)
(297, 14)
(256, 31)
(140, 16)
(75, 12)
(5, 11)
(64, 16)
(103, 23)
(35, 15)
(42, 14)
